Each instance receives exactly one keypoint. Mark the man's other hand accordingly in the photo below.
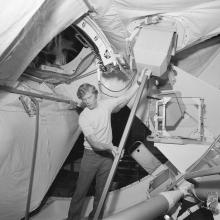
(115, 151)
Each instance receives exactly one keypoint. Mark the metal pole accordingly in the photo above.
(190, 169)
(36, 95)
(33, 160)
(120, 148)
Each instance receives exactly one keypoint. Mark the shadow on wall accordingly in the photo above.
(138, 132)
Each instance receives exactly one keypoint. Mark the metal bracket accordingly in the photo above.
(28, 105)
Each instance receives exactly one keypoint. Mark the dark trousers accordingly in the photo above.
(92, 165)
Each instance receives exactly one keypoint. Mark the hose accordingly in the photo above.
(33, 159)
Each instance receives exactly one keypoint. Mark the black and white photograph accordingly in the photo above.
(110, 110)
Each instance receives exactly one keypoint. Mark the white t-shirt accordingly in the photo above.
(97, 121)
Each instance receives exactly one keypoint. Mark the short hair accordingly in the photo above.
(84, 88)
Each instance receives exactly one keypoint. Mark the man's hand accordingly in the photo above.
(114, 151)
(72, 105)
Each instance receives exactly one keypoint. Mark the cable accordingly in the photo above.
(33, 159)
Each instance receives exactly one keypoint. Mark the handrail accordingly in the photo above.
(120, 148)
(36, 95)
(33, 160)
(204, 155)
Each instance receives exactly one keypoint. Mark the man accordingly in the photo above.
(95, 122)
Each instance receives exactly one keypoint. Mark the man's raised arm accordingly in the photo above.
(125, 98)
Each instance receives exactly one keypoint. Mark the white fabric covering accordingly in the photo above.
(53, 17)
(195, 20)
(13, 17)
(58, 131)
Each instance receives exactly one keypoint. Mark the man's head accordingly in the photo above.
(88, 94)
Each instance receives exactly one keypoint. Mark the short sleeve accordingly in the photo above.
(85, 126)
(111, 103)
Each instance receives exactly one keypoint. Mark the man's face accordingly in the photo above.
(90, 100)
